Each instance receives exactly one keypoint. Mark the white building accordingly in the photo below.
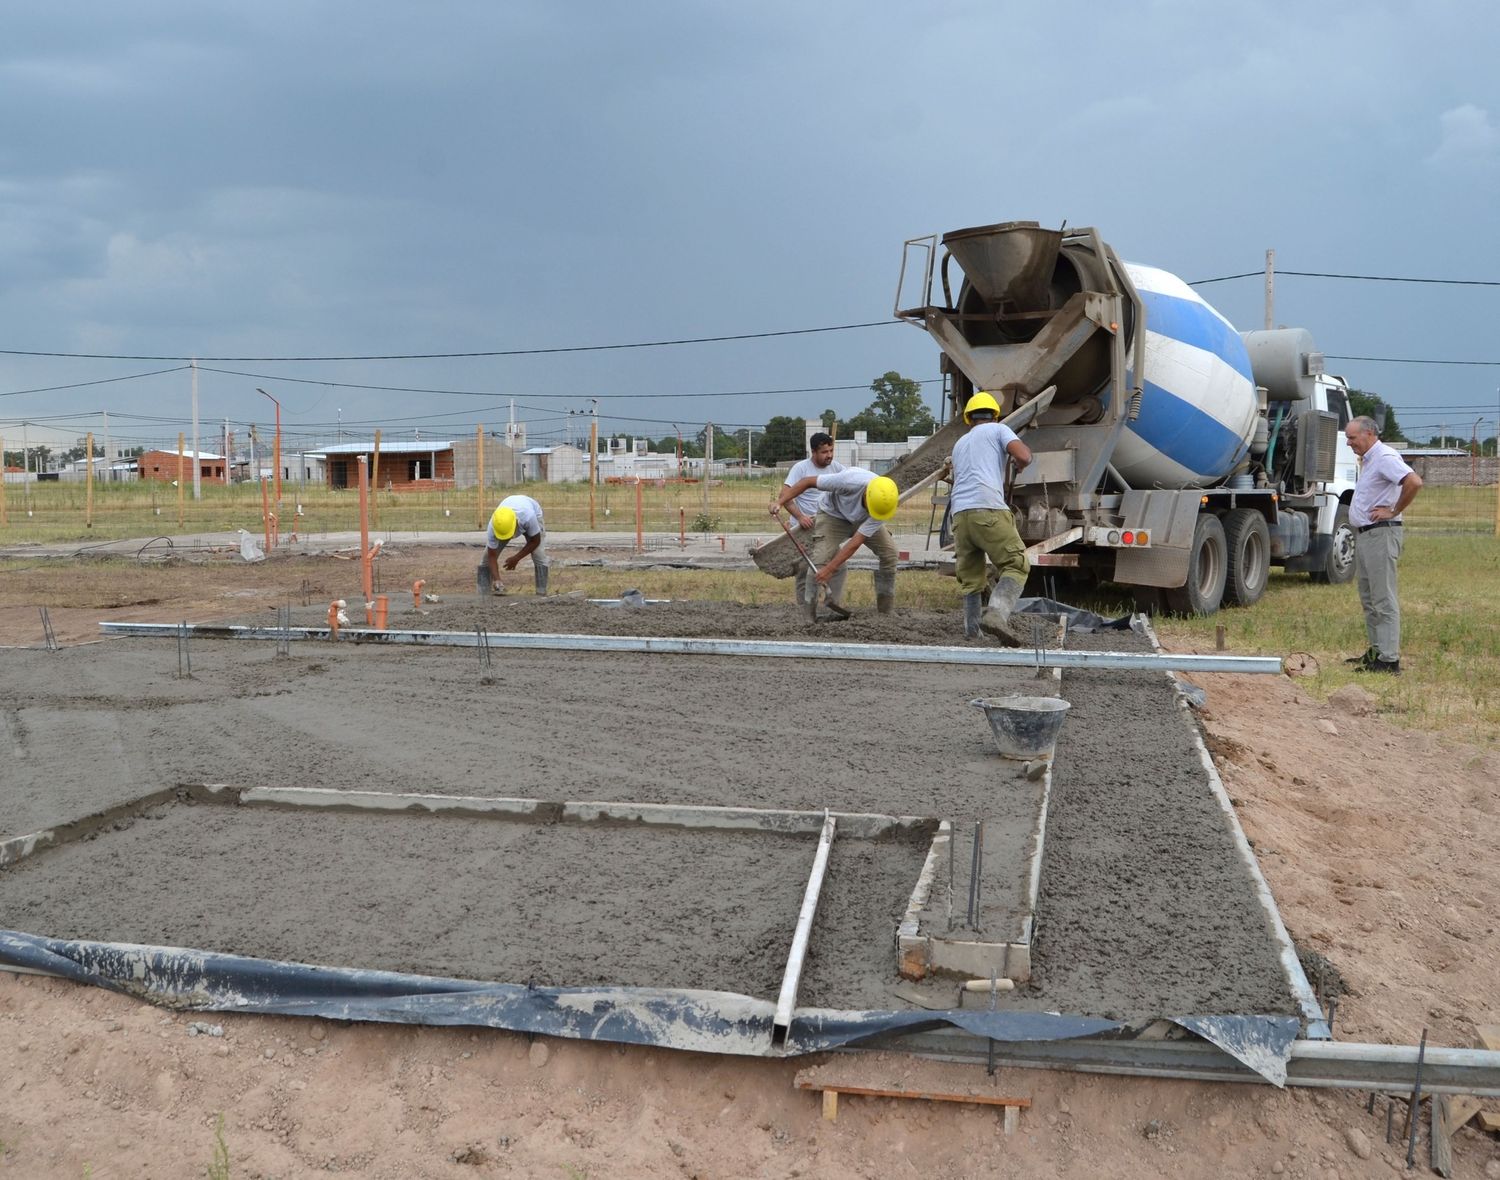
(878, 457)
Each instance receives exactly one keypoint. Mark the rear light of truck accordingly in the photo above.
(1120, 538)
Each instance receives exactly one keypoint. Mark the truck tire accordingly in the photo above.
(1339, 566)
(1248, 541)
(1208, 566)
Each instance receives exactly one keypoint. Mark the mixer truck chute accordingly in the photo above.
(1219, 453)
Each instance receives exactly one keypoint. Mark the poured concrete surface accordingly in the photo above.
(1145, 910)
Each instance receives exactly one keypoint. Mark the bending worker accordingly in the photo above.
(856, 505)
(803, 509)
(516, 514)
(983, 525)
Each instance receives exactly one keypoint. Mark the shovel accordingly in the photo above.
(485, 581)
(838, 611)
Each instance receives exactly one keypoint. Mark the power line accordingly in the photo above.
(1405, 360)
(435, 356)
(101, 381)
(567, 396)
(1320, 274)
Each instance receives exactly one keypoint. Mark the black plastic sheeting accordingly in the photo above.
(700, 1021)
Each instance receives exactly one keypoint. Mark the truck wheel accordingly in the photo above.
(1207, 568)
(1249, 546)
(1339, 566)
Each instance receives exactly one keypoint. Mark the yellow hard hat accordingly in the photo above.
(882, 497)
(504, 523)
(980, 401)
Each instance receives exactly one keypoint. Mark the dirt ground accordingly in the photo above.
(1376, 841)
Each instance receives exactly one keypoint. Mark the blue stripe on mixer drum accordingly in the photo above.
(1185, 434)
(1195, 324)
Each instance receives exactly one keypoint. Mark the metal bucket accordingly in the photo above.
(1024, 727)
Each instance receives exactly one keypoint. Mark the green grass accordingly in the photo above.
(59, 512)
(218, 1168)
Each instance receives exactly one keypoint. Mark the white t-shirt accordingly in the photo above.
(528, 520)
(811, 500)
(1379, 485)
(845, 498)
(979, 467)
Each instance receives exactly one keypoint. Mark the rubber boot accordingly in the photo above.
(973, 607)
(996, 617)
(539, 573)
(885, 591)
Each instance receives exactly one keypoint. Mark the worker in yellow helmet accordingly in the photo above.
(856, 504)
(983, 524)
(516, 514)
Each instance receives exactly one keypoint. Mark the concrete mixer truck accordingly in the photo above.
(1175, 456)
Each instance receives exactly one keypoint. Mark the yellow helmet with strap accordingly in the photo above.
(980, 401)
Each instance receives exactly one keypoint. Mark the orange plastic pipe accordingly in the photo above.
(382, 606)
(416, 593)
(333, 620)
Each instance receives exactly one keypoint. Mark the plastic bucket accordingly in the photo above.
(1024, 727)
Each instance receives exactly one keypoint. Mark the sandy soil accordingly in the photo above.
(1377, 842)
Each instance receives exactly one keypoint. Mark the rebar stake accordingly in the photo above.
(1414, 1111)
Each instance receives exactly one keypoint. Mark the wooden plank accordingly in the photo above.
(928, 1095)
(1441, 1149)
(1489, 1038)
(1461, 1108)
(831, 1105)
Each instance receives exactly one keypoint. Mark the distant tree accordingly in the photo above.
(897, 411)
(829, 418)
(1371, 406)
(726, 446)
(782, 441)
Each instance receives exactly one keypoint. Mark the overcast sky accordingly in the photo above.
(309, 179)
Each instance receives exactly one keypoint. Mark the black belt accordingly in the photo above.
(1379, 524)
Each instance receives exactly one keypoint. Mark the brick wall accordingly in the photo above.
(1456, 470)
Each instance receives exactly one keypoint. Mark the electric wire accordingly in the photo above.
(434, 356)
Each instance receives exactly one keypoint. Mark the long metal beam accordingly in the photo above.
(1319, 1064)
(786, 1002)
(788, 649)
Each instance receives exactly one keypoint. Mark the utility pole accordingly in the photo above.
(108, 461)
(1270, 289)
(26, 468)
(197, 466)
(708, 462)
(593, 456)
(276, 452)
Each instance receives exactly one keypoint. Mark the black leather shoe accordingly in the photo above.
(1378, 665)
(1362, 661)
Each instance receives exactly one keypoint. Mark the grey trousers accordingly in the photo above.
(829, 535)
(1375, 555)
